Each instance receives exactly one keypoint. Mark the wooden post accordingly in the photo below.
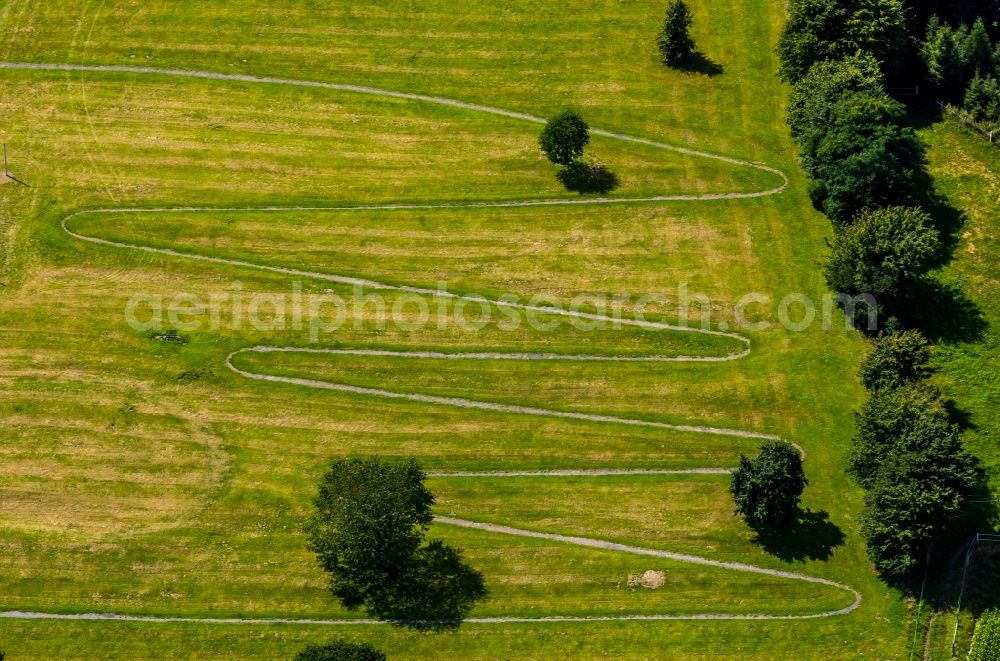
(6, 170)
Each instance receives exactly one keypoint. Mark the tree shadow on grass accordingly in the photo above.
(948, 221)
(943, 312)
(583, 178)
(959, 416)
(811, 537)
(700, 63)
(945, 217)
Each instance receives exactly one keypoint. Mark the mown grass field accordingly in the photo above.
(143, 477)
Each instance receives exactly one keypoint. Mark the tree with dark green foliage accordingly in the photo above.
(883, 253)
(813, 98)
(892, 419)
(767, 489)
(340, 650)
(819, 30)
(564, 137)
(957, 12)
(866, 158)
(956, 55)
(853, 143)
(895, 360)
(982, 100)
(942, 54)
(918, 490)
(977, 51)
(674, 41)
(368, 533)
(909, 456)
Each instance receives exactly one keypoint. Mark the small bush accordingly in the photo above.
(581, 177)
(986, 640)
(340, 650)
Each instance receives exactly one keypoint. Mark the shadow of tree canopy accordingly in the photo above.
(945, 217)
(437, 591)
(698, 62)
(581, 177)
(959, 416)
(812, 536)
(943, 312)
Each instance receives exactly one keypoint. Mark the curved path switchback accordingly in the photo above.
(654, 326)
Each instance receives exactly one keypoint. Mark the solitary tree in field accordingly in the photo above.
(340, 650)
(675, 42)
(767, 489)
(564, 137)
(368, 533)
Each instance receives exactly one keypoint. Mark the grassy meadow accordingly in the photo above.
(965, 170)
(142, 476)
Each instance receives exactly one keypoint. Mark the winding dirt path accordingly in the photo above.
(441, 101)
(431, 355)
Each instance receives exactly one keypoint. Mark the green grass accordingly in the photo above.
(142, 476)
(965, 170)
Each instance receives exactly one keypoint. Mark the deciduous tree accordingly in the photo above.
(892, 419)
(813, 99)
(368, 533)
(911, 503)
(865, 158)
(819, 30)
(767, 489)
(564, 137)
(883, 253)
(895, 360)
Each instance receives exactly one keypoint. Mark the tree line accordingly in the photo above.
(865, 164)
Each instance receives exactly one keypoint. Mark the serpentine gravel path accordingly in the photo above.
(431, 355)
